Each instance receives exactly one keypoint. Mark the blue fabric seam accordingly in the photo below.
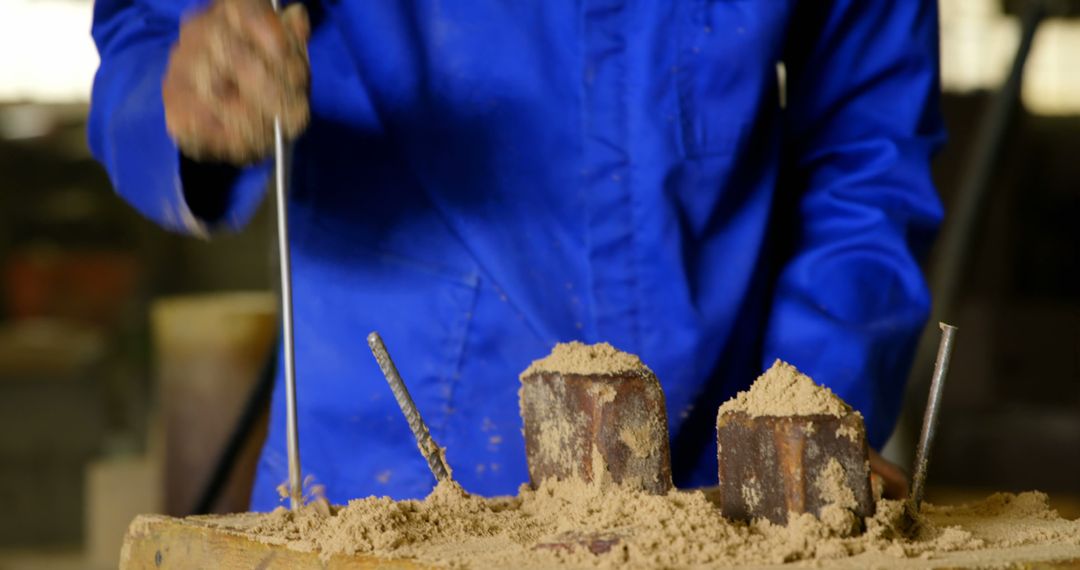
(459, 342)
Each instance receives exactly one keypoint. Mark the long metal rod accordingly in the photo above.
(967, 210)
(291, 429)
(292, 434)
(428, 448)
(930, 417)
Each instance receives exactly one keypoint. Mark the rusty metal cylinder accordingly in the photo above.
(600, 428)
(770, 466)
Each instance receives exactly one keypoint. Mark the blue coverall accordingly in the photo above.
(710, 184)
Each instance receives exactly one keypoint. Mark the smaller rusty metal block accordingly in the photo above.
(599, 428)
(770, 466)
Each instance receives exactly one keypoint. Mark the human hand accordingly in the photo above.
(894, 480)
(236, 66)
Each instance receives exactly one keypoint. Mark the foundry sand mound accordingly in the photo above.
(680, 530)
(784, 391)
(574, 524)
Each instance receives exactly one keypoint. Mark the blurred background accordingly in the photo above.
(132, 360)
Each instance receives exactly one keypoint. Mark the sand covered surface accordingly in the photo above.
(575, 525)
(572, 523)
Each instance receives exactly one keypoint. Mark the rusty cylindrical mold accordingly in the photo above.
(770, 466)
(600, 428)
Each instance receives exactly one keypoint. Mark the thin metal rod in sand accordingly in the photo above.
(930, 417)
(428, 448)
(292, 434)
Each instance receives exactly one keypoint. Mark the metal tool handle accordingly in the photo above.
(428, 448)
(281, 181)
(930, 417)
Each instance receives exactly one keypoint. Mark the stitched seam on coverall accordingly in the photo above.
(610, 224)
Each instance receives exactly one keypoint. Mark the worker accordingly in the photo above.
(709, 185)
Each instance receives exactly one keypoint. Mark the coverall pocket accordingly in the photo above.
(727, 71)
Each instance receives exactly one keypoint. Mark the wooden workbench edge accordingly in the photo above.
(157, 542)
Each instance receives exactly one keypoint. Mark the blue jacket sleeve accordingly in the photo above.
(863, 122)
(127, 125)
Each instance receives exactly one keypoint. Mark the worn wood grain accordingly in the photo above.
(156, 542)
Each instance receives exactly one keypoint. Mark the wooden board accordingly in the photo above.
(156, 542)
(210, 351)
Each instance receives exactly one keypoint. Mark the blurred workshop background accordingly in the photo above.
(132, 360)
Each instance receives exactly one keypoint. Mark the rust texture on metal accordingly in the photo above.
(433, 454)
(770, 466)
(600, 428)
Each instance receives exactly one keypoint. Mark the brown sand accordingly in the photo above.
(839, 513)
(680, 530)
(579, 358)
(784, 391)
(573, 524)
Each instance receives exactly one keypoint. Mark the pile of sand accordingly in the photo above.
(579, 358)
(563, 523)
(577, 524)
(784, 391)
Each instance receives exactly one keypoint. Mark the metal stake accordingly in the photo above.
(281, 180)
(428, 448)
(930, 416)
